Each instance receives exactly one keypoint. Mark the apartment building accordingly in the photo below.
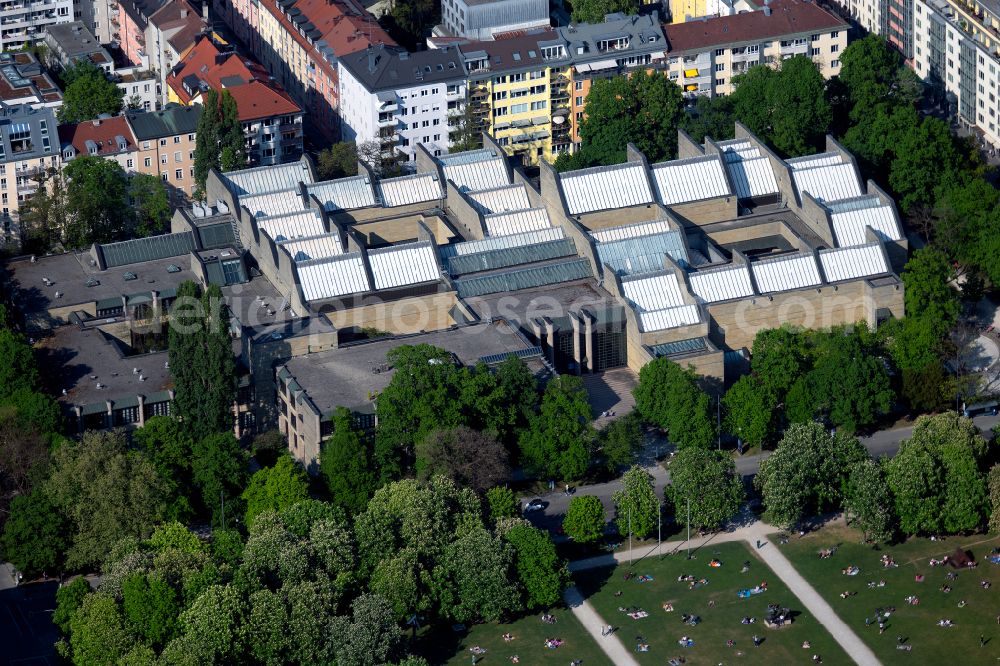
(23, 22)
(272, 122)
(618, 46)
(171, 32)
(705, 55)
(299, 42)
(165, 143)
(401, 99)
(24, 81)
(69, 43)
(109, 138)
(29, 143)
(483, 19)
(689, 10)
(130, 25)
(957, 49)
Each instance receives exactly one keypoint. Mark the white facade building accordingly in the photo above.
(482, 19)
(23, 22)
(401, 99)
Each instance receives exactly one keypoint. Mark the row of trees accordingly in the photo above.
(936, 483)
(92, 200)
(704, 480)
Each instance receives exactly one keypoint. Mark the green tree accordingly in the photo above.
(219, 469)
(854, 382)
(779, 360)
(807, 474)
(472, 578)
(540, 570)
(152, 208)
(275, 488)
(993, 486)
(786, 107)
(339, 160)
(924, 155)
(936, 479)
(585, 520)
(96, 197)
(874, 74)
(749, 410)
(106, 492)
(166, 444)
(220, 142)
(151, 608)
(44, 215)
(201, 360)
(869, 501)
(18, 371)
(35, 535)
(372, 636)
(211, 628)
(501, 503)
(346, 464)
(594, 11)
(709, 480)
(267, 446)
(621, 440)
(88, 93)
(669, 397)
(500, 401)
(709, 117)
(410, 22)
(98, 634)
(33, 412)
(927, 278)
(420, 398)
(474, 459)
(927, 388)
(68, 599)
(643, 109)
(558, 442)
(636, 505)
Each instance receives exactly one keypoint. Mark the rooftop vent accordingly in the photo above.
(130, 276)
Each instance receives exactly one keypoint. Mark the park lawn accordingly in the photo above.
(720, 623)
(444, 646)
(917, 624)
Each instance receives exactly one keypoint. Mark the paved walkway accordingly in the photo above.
(755, 533)
(594, 624)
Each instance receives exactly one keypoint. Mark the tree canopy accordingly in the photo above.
(276, 488)
(643, 109)
(96, 195)
(338, 161)
(594, 11)
(585, 520)
(636, 505)
(220, 143)
(669, 397)
(709, 480)
(558, 443)
(346, 464)
(88, 93)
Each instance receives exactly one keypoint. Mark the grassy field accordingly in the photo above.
(720, 622)
(530, 633)
(916, 624)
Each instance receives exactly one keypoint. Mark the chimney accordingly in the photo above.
(767, 10)
(184, 13)
(204, 10)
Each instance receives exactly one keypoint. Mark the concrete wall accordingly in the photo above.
(467, 219)
(403, 229)
(706, 211)
(782, 173)
(817, 219)
(618, 217)
(819, 307)
(686, 147)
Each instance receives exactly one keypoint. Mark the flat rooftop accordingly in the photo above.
(77, 359)
(257, 303)
(347, 376)
(553, 301)
(68, 274)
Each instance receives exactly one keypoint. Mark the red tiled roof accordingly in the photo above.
(788, 17)
(345, 26)
(256, 97)
(102, 132)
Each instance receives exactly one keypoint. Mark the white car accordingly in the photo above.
(534, 505)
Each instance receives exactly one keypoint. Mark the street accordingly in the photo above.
(881, 444)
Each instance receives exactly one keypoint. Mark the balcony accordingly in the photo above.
(387, 121)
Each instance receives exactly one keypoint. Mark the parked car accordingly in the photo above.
(534, 505)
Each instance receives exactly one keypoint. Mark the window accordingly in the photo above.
(177, 139)
(145, 145)
(163, 142)
(190, 137)
(579, 100)
(537, 90)
(814, 38)
(578, 85)
(834, 63)
(813, 52)
(147, 162)
(190, 154)
(720, 82)
(517, 78)
(720, 67)
(539, 106)
(163, 159)
(518, 108)
(178, 174)
(499, 95)
(720, 52)
(129, 164)
(500, 111)
(177, 157)
(437, 137)
(834, 34)
(437, 121)
(164, 177)
(834, 48)
(538, 74)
